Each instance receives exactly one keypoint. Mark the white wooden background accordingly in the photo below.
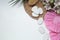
(15, 24)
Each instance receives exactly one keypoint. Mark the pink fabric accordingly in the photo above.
(52, 21)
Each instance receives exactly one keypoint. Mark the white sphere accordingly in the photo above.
(40, 11)
(40, 21)
(34, 15)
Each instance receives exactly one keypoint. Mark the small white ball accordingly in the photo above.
(37, 11)
(34, 8)
(34, 15)
(46, 37)
(41, 30)
(40, 21)
(40, 11)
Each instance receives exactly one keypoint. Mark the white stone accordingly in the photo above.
(37, 10)
(41, 30)
(34, 15)
(46, 37)
(34, 8)
(40, 21)
(40, 10)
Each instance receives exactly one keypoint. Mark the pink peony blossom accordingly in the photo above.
(52, 21)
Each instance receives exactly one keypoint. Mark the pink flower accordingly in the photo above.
(52, 21)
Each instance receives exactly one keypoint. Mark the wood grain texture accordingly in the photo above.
(29, 12)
